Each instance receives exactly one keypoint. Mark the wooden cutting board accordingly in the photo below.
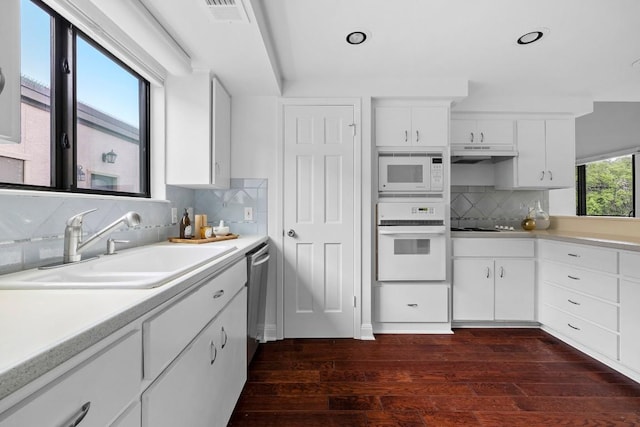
(209, 240)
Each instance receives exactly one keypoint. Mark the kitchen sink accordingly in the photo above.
(139, 268)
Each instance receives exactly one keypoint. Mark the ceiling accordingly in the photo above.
(588, 51)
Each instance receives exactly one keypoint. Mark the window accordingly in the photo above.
(84, 114)
(606, 187)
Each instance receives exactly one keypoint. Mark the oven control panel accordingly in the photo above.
(411, 211)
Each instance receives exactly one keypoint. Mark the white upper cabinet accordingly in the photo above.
(425, 126)
(488, 132)
(198, 132)
(10, 71)
(546, 156)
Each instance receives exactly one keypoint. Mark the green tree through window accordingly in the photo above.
(609, 187)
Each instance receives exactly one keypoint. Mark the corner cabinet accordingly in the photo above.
(422, 126)
(546, 156)
(198, 124)
(10, 72)
(493, 279)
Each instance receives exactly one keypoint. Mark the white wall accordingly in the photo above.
(254, 149)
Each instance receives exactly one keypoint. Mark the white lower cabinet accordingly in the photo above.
(94, 393)
(579, 294)
(201, 386)
(493, 289)
(413, 303)
(630, 310)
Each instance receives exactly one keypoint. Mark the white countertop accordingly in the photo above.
(40, 329)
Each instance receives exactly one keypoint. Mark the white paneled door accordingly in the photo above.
(318, 221)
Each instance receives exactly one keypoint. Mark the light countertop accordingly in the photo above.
(40, 329)
(614, 241)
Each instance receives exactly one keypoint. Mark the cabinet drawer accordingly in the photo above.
(580, 255)
(412, 303)
(494, 247)
(107, 381)
(594, 310)
(586, 281)
(582, 331)
(630, 264)
(167, 333)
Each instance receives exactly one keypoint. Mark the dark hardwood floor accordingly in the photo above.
(476, 377)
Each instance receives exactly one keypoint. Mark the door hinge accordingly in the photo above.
(353, 126)
(355, 301)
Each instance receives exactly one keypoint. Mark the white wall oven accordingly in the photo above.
(411, 242)
(410, 172)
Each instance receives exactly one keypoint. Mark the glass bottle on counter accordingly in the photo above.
(541, 217)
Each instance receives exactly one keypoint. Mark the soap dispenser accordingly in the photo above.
(185, 226)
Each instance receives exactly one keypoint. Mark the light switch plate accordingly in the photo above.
(248, 213)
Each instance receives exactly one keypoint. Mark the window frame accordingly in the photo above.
(63, 111)
(581, 188)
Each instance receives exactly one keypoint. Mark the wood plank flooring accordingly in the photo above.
(476, 377)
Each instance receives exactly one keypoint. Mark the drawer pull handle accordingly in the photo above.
(214, 352)
(573, 327)
(574, 255)
(218, 294)
(488, 272)
(573, 277)
(77, 417)
(412, 305)
(501, 272)
(573, 302)
(224, 337)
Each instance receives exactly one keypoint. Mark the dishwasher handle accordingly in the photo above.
(260, 260)
(418, 232)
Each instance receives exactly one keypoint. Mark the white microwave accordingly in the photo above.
(410, 172)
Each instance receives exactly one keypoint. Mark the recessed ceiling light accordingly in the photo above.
(532, 36)
(356, 37)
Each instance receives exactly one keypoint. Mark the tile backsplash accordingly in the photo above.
(32, 225)
(228, 205)
(479, 206)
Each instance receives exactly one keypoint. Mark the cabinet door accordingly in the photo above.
(430, 126)
(630, 324)
(10, 71)
(221, 139)
(560, 153)
(514, 289)
(393, 126)
(495, 132)
(531, 159)
(201, 387)
(463, 132)
(473, 289)
(188, 124)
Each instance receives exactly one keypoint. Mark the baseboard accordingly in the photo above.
(366, 332)
(270, 333)
(493, 324)
(412, 328)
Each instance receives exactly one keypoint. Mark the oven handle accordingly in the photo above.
(420, 232)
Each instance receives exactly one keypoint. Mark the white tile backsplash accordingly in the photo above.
(32, 225)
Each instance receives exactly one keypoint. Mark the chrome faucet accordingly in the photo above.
(73, 242)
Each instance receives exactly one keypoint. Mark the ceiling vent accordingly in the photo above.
(230, 11)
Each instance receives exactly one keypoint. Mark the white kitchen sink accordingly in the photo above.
(139, 268)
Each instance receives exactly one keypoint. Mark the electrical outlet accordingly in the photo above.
(174, 215)
(248, 214)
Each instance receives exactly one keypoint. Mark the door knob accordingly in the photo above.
(291, 233)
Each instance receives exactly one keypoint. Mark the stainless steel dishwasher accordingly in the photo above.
(257, 277)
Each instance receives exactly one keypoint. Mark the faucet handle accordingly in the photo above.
(76, 220)
(111, 245)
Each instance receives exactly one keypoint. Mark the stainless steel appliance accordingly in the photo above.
(411, 172)
(257, 277)
(412, 242)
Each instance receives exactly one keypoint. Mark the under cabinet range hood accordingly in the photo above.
(481, 153)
